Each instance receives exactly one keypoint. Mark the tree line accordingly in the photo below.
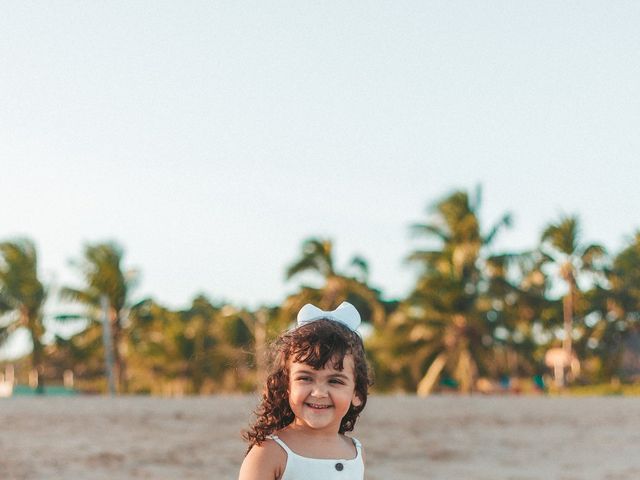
(566, 311)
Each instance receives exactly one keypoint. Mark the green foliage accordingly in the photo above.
(103, 276)
(602, 389)
(317, 258)
(472, 313)
(442, 326)
(22, 297)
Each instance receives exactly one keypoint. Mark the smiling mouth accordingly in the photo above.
(318, 406)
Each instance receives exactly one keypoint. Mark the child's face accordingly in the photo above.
(321, 398)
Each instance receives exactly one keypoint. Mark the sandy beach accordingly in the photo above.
(442, 437)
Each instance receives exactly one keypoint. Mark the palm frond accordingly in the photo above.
(69, 317)
(7, 303)
(361, 266)
(592, 253)
(504, 222)
(303, 265)
(317, 255)
(86, 297)
(429, 230)
(426, 257)
(564, 236)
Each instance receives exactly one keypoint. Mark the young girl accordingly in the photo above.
(315, 391)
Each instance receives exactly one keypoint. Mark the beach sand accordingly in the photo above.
(441, 437)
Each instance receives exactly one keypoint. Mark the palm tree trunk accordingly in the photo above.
(257, 325)
(37, 363)
(465, 371)
(567, 310)
(118, 358)
(260, 337)
(425, 386)
(197, 376)
(332, 287)
(107, 343)
(29, 320)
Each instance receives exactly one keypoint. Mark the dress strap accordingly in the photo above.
(357, 443)
(281, 443)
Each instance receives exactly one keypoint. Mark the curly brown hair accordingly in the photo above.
(315, 344)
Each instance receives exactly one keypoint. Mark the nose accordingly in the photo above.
(319, 390)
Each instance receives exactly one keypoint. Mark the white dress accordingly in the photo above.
(305, 468)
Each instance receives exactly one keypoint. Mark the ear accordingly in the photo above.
(355, 400)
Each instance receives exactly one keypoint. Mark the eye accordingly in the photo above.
(337, 381)
(303, 379)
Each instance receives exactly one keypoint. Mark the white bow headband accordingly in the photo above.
(345, 314)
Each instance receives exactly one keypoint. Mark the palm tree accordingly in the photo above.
(562, 244)
(22, 298)
(174, 352)
(445, 310)
(625, 281)
(155, 356)
(244, 328)
(317, 257)
(520, 312)
(203, 349)
(103, 276)
(83, 354)
(618, 308)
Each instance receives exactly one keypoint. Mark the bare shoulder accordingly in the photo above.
(263, 462)
(351, 443)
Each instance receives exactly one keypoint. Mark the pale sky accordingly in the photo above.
(211, 138)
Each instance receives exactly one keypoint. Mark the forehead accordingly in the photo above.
(329, 367)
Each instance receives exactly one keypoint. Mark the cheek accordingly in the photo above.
(296, 393)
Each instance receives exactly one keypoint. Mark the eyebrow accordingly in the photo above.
(309, 372)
